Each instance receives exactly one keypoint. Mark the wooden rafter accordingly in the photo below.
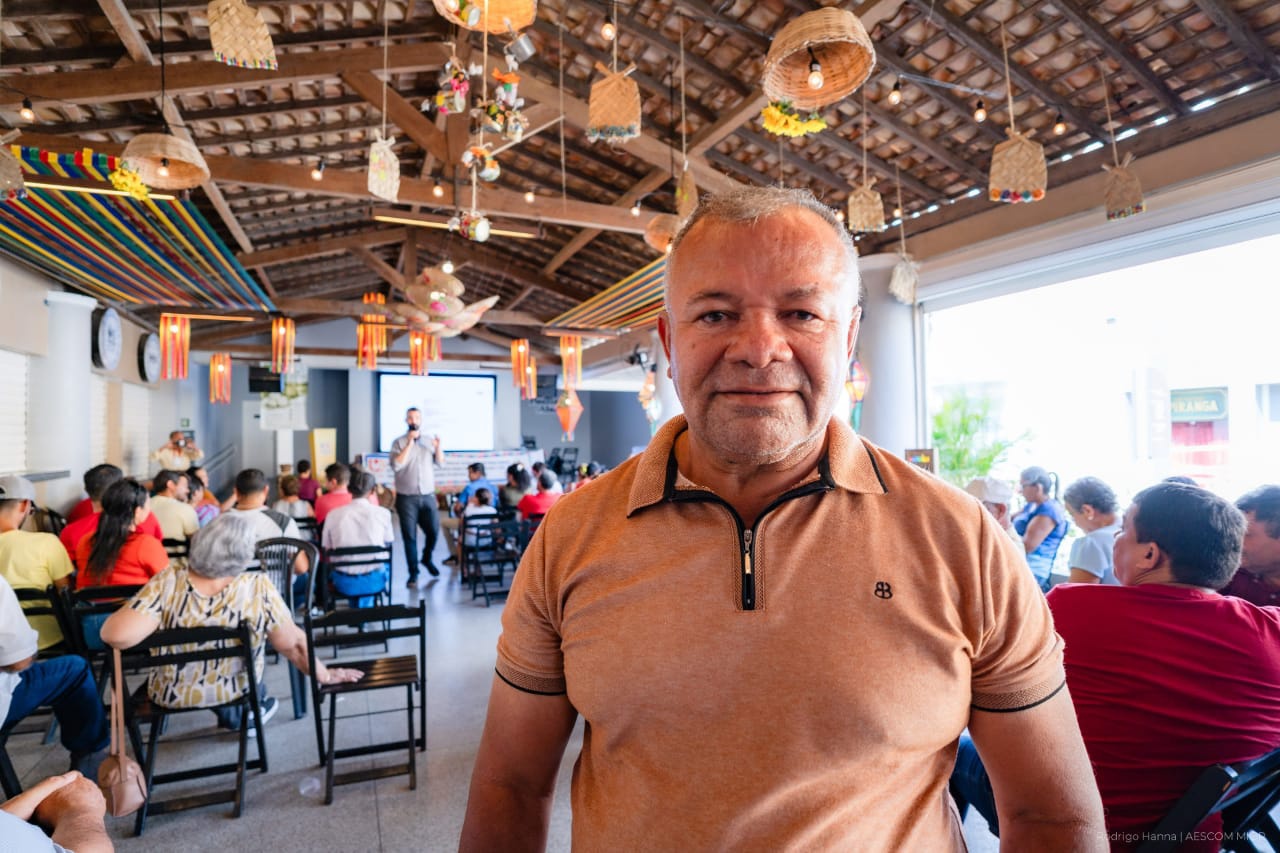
(1250, 43)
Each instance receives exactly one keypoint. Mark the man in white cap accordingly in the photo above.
(997, 496)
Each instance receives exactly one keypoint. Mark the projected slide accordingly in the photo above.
(457, 408)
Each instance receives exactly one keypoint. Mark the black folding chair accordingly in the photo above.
(205, 648)
(177, 549)
(48, 520)
(1245, 793)
(357, 560)
(43, 604)
(309, 529)
(489, 547)
(277, 557)
(351, 627)
(83, 611)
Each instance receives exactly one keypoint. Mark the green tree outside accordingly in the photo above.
(964, 438)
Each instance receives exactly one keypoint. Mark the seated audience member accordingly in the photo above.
(1094, 509)
(1041, 523)
(308, 488)
(206, 511)
(63, 682)
(70, 806)
(538, 468)
(476, 479)
(251, 503)
(179, 454)
(541, 501)
(519, 484)
(30, 560)
(479, 505)
(215, 590)
(117, 552)
(1167, 676)
(200, 474)
(591, 471)
(336, 478)
(997, 496)
(1259, 577)
(359, 524)
(169, 493)
(97, 480)
(291, 502)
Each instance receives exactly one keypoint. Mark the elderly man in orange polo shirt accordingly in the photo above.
(775, 631)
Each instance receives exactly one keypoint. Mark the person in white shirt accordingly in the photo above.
(356, 525)
(1094, 508)
(169, 493)
(251, 502)
(179, 454)
(479, 505)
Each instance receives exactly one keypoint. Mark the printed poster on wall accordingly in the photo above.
(287, 410)
(324, 449)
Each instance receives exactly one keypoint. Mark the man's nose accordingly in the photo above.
(758, 340)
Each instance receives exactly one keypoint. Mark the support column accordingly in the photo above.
(886, 348)
(665, 387)
(57, 398)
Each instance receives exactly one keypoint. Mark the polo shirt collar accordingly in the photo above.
(848, 464)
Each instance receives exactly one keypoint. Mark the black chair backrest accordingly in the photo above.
(37, 602)
(357, 557)
(309, 528)
(91, 601)
(182, 647)
(177, 549)
(277, 557)
(48, 520)
(364, 626)
(1253, 784)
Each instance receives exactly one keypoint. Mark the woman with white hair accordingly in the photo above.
(214, 590)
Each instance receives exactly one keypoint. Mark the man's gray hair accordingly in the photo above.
(223, 548)
(748, 205)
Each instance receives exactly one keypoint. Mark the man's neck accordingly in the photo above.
(250, 504)
(749, 488)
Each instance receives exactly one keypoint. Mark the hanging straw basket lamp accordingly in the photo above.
(12, 184)
(866, 209)
(661, 230)
(1123, 192)
(833, 38)
(499, 18)
(1018, 170)
(686, 194)
(613, 110)
(151, 155)
(240, 36)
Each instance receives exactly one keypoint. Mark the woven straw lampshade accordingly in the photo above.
(1123, 192)
(149, 153)
(239, 35)
(1018, 170)
(839, 43)
(503, 15)
(661, 230)
(866, 209)
(613, 110)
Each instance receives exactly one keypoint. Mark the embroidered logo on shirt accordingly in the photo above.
(883, 590)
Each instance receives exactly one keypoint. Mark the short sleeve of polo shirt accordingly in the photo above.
(529, 654)
(1017, 655)
(1086, 554)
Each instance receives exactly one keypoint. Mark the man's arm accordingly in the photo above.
(1046, 796)
(509, 807)
(73, 814)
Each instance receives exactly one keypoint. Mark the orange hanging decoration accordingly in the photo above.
(175, 345)
(423, 348)
(283, 332)
(571, 360)
(220, 378)
(568, 410)
(378, 321)
(523, 375)
(366, 346)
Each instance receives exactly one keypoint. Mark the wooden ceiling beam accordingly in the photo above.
(1243, 37)
(898, 65)
(320, 248)
(579, 241)
(384, 270)
(406, 116)
(934, 147)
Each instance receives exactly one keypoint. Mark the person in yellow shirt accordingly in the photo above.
(31, 560)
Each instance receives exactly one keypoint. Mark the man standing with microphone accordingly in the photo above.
(413, 461)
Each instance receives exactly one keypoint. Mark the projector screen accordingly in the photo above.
(459, 408)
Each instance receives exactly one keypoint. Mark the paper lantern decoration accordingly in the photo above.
(857, 385)
(1123, 192)
(371, 333)
(240, 36)
(648, 398)
(384, 169)
(434, 305)
(866, 210)
(827, 46)
(220, 378)
(613, 110)
(175, 345)
(377, 319)
(571, 360)
(423, 348)
(283, 332)
(165, 162)
(1018, 170)
(568, 410)
(490, 16)
(661, 230)
(524, 373)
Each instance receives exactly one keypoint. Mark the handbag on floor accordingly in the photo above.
(120, 777)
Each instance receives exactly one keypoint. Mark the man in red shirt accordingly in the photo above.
(1259, 577)
(540, 501)
(96, 482)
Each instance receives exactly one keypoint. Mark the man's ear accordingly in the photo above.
(664, 335)
(1152, 557)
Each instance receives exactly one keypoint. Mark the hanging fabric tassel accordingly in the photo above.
(906, 274)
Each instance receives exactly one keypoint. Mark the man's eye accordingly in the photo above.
(713, 317)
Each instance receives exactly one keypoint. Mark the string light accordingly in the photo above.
(1059, 125)
(317, 171)
(840, 216)
(437, 190)
(163, 171)
(635, 209)
(446, 267)
(980, 114)
(451, 5)
(529, 196)
(815, 71)
(895, 94)
(897, 213)
(608, 31)
(27, 113)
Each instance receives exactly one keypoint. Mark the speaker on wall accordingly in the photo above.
(262, 380)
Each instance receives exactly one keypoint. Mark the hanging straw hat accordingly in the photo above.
(240, 36)
(613, 110)
(504, 16)
(1018, 170)
(1123, 193)
(149, 153)
(866, 209)
(839, 43)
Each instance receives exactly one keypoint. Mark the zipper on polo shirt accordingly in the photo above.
(748, 577)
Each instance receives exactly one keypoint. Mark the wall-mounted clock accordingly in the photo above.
(108, 338)
(149, 357)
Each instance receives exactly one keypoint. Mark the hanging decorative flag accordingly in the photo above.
(384, 168)
(568, 410)
(423, 348)
(282, 335)
(1018, 169)
(175, 345)
(521, 377)
(613, 108)
(1123, 193)
(366, 346)
(571, 360)
(220, 378)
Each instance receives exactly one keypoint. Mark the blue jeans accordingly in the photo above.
(67, 685)
(418, 511)
(970, 784)
(360, 589)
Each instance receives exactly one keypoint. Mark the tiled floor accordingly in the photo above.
(284, 810)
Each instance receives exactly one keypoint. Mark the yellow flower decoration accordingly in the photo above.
(782, 119)
(127, 180)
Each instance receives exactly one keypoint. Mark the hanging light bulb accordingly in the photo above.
(27, 113)
(1059, 125)
(815, 71)
(451, 5)
(163, 171)
(897, 213)
(529, 196)
(437, 190)
(840, 216)
(895, 94)
(608, 30)
(446, 267)
(317, 171)
(635, 209)
(980, 113)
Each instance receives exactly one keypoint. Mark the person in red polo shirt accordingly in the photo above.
(97, 480)
(540, 501)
